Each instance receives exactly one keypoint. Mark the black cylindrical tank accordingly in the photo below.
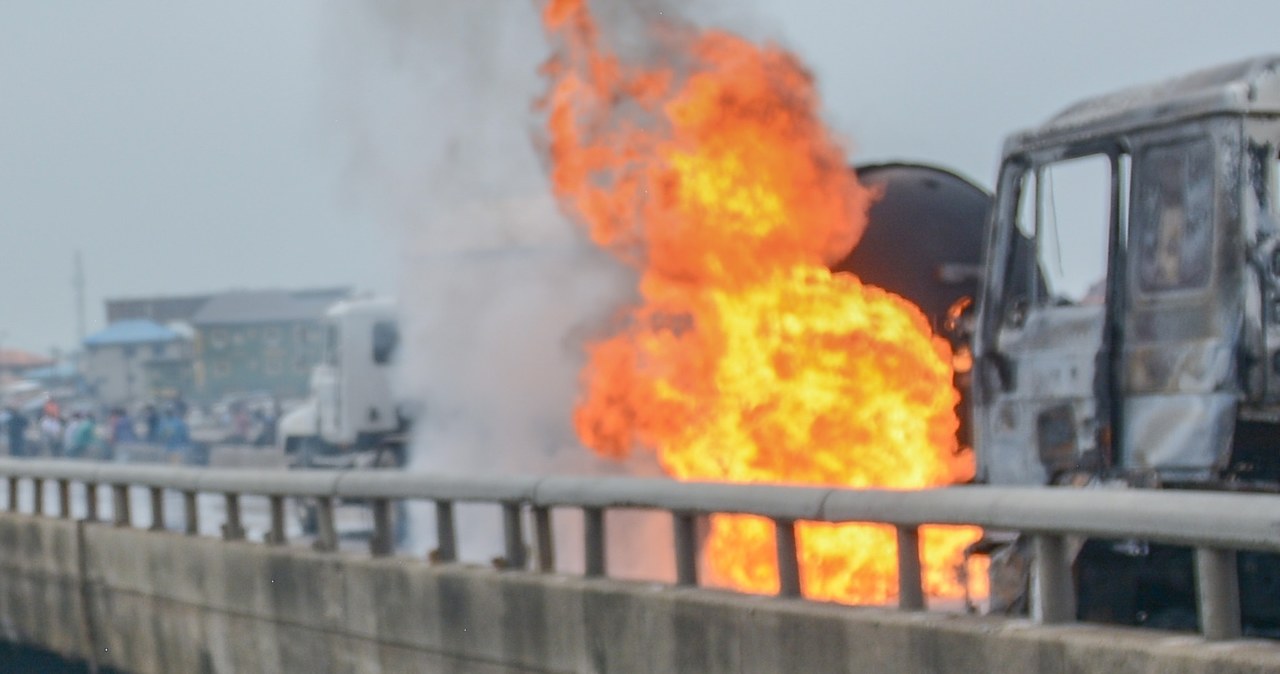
(924, 237)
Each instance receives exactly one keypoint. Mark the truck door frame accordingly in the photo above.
(996, 385)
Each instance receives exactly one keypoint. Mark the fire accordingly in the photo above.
(745, 359)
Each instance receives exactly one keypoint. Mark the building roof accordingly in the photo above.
(51, 372)
(18, 359)
(138, 331)
(267, 306)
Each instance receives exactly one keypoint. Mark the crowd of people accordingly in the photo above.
(86, 434)
(251, 425)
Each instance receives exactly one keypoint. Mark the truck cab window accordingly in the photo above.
(1027, 206)
(332, 345)
(1073, 226)
(1173, 216)
(1022, 279)
(385, 338)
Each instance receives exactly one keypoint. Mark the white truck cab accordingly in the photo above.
(352, 409)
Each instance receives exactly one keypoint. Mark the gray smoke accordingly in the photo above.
(498, 293)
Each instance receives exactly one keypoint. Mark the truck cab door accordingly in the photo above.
(1183, 322)
(1043, 357)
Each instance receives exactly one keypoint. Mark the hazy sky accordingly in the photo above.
(188, 147)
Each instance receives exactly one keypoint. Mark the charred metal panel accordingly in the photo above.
(1006, 431)
(1045, 422)
(1182, 437)
(1056, 437)
(1203, 366)
(1055, 376)
(1063, 328)
(1171, 322)
(1242, 88)
(1055, 352)
(1033, 443)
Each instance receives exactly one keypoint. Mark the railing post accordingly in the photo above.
(1053, 591)
(546, 541)
(277, 535)
(446, 538)
(788, 561)
(233, 530)
(13, 494)
(64, 499)
(37, 487)
(686, 547)
(157, 508)
(120, 505)
(910, 591)
(383, 541)
(593, 541)
(326, 531)
(1218, 593)
(514, 534)
(91, 502)
(191, 508)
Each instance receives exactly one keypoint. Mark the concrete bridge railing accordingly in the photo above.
(1216, 525)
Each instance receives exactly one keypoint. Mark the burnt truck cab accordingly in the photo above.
(1150, 325)
(1142, 346)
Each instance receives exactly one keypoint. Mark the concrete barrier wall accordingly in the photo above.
(160, 602)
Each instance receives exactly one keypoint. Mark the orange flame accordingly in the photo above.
(746, 360)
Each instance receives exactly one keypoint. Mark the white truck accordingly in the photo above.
(352, 417)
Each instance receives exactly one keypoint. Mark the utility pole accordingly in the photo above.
(77, 282)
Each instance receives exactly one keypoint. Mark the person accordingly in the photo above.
(81, 435)
(122, 427)
(51, 434)
(177, 438)
(17, 427)
(267, 433)
(110, 433)
(241, 421)
(69, 431)
(152, 418)
(262, 426)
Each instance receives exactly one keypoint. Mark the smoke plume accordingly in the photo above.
(498, 292)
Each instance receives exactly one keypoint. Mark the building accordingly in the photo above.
(137, 359)
(14, 364)
(260, 341)
(163, 310)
